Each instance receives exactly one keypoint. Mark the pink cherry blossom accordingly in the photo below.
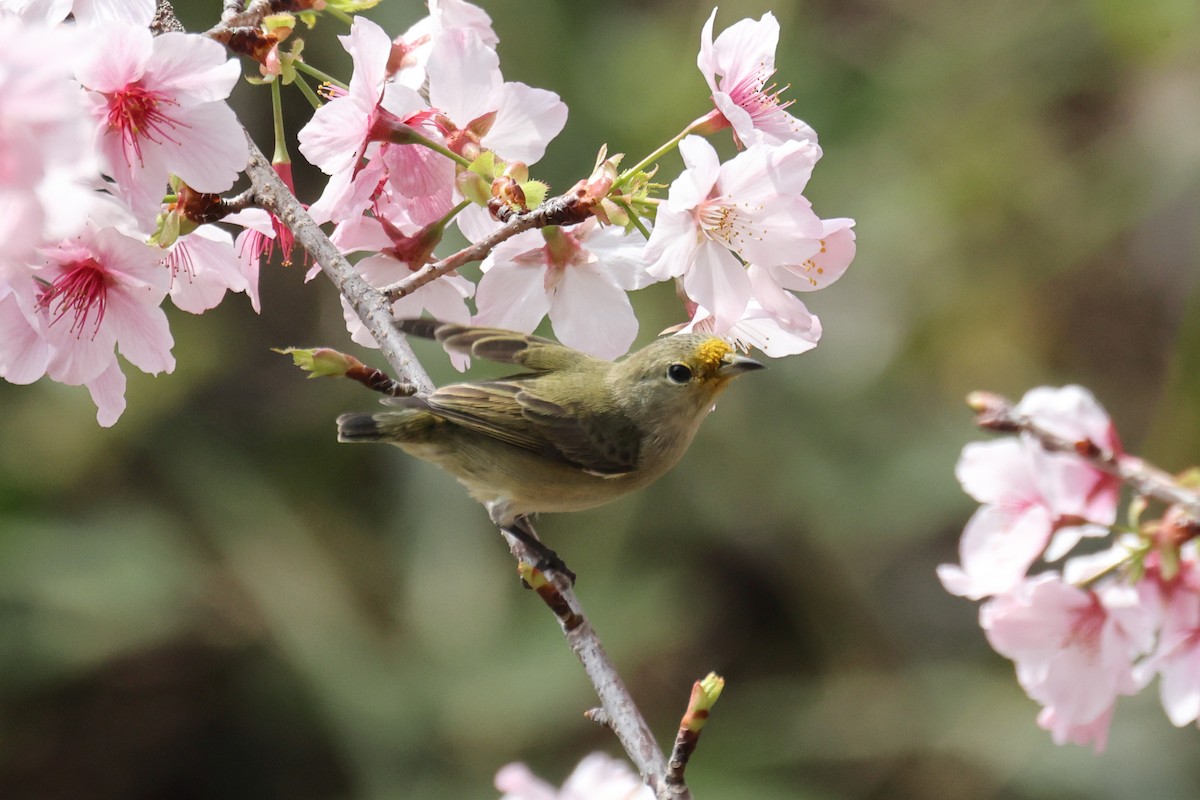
(158, 105)
(261, 234)
(339, 134)
(1030, 495)
(1074, 648)
(410, 50)
(1093, 733)
(24, 351)
(743, 57)
(87, 12)
(764, 330)
(204, 265)
(578, 276)
(444, 298)
(480, 110)
(717, 217)
(597, 777)
(46, 164)
(1176, 658)
(825, 260)
(102, 291)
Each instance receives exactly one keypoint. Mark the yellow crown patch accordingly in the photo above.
(711, 353)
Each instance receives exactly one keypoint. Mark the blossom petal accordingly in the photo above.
(513, 296)
(142, 332)
(718, 281)
(592, 314)
(108, 393)
(527, 119)
(212, 149)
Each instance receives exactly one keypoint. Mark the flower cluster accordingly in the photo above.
(1106, 623)
(428, 118)
(115, 158)
(90, 144)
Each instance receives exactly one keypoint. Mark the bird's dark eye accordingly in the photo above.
(679, 373)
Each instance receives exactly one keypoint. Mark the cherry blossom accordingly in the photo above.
(719, 216)
(410, 50)
(825, 261)
(1093, 733)
(24, 351)
(1030, 495)
(340, 132)
(743, 57)
(763, 329)
(1074, 648)
(46, 164)
(578, 276)
(444, 298)
(204, 265)
(158, 105)
(102, 291)
(597, 777)
(479, 110)
(1176, 657)
(86, 12)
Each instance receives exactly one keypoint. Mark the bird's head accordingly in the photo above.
(678, 377)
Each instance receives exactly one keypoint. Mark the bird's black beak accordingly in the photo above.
(733, 365)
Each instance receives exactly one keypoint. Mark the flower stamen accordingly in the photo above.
(79, 290)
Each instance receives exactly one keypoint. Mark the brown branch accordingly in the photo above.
(996, 413)
(165, 20)
(618, 711)
(566, 209)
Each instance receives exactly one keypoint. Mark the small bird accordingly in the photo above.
(573, 432)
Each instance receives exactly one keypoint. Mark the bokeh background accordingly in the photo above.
(214, 599)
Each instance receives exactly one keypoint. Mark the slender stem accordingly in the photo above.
(281, 155)
(307, 91)
(618, 710)
(318, 74)
(336, 14)
(666, 147)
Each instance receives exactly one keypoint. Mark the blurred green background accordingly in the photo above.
(215, 600)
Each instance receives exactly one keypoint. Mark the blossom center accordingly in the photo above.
(139, 113)
(80, 290)
(1085, 629)
(562, 249)
(753, 96)
(726, 222)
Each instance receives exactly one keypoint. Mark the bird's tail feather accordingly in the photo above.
(358, 428)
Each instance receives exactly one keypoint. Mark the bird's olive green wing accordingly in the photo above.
(604, 444)
(495, 344)
(601, 442)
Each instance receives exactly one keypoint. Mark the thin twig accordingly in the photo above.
(618, 711)
(563, 210)
(997, 413)
(704, 695)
